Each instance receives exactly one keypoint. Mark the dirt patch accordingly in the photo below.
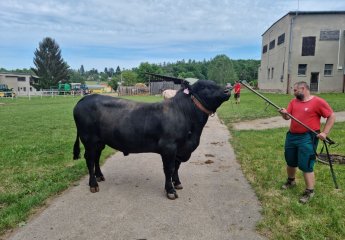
(335, 158)
(209, 155)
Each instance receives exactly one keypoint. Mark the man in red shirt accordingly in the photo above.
(301, 144)
(237, 92)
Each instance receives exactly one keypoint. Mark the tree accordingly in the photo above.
(76, 76)
(114, 82)
(221, 70)
(50, 66)
(129, 78)
(146, 67)
(81, 70)
(118, 71)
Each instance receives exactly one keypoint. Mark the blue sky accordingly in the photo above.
(111, 33)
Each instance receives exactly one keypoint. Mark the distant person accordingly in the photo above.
(237, 92)
(301, 144)
(228, 86)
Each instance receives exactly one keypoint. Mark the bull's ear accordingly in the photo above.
(185, 85)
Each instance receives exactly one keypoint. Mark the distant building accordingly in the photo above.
(21, 83)
(304, 46)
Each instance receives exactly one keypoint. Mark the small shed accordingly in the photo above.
(158, 83)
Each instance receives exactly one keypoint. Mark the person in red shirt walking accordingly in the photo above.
(237, 92)
(301, 144)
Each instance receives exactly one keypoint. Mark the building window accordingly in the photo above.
(281, 39)
(308, 46)
(24, 89)
(264, 49)
(328, 70)
(268, 73)
(21, 79)
(18, 89)
(272, 71)
(272, 44)
(33, 80)
(302, 69)
(30, 89)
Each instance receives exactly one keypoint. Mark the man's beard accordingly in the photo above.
(300, 96)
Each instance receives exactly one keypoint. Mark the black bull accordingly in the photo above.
(171, 128)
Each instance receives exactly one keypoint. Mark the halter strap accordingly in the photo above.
(201, 107)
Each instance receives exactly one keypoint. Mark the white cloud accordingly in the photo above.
(171, 26)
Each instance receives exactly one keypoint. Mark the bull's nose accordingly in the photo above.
(226, 91)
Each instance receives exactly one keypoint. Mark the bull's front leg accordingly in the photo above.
(169, 167)
(175, 178)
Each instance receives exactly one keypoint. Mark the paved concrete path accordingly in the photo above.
(216, 203)
(275, 122)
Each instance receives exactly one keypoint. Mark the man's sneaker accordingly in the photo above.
(289, 184)
(307, 195)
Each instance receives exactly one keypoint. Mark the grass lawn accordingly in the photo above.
(37, 138)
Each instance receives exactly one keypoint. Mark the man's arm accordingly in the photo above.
(327, 128)
(284, 113)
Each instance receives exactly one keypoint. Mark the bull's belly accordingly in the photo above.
(127, 148)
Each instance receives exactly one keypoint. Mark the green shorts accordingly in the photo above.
(300, 150)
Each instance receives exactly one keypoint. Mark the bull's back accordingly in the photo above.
(122, 124)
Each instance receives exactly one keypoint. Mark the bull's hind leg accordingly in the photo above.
(98, 172)
(92, 156)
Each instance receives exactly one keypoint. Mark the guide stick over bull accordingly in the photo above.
(171, 128)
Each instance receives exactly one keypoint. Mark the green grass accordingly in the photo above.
(253, 107)
(261, 155)
(36, 139)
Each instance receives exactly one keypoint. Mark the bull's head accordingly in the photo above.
(209, 94)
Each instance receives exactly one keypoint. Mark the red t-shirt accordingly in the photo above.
(309, 113)
(237, 88)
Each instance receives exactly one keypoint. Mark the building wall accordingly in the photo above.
(20, 84)
(326, 52)
(275, 59)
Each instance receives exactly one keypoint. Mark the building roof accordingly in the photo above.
(159, 78)
(296, 13)
(14, 74)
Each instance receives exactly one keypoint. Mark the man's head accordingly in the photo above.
(301, 90)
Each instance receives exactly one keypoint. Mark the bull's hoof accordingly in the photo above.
(172, 196)
(178, 187)
(94, 189)
(100, 179)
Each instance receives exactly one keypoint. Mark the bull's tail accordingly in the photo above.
(76, 148)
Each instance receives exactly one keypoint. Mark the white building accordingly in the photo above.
(304, 46)
(21, 83)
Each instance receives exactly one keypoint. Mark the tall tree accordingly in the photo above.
(50, 66)
(117, 71)
(221, 70)
(81, 70)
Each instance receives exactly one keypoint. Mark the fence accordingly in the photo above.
(131, 90)
(159, 87)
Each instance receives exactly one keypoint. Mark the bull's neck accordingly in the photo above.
(199, 105)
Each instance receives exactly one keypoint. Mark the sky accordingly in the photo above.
(125, 33)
